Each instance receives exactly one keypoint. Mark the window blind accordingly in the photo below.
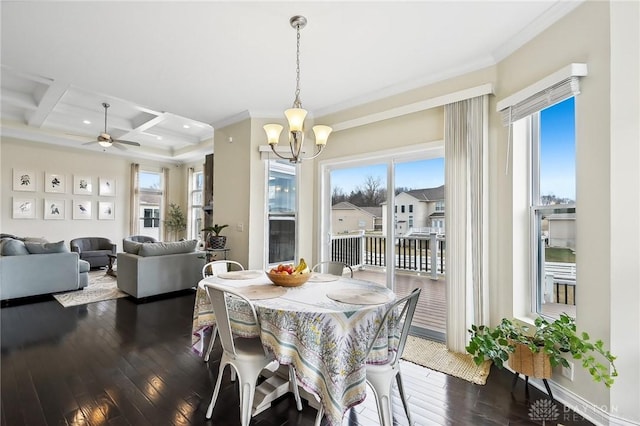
(550, 96)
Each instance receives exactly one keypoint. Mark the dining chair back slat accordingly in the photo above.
(218, 297)
(247, 359)
(380, 377)
(333, 268)
(214, 268)
(219, 266)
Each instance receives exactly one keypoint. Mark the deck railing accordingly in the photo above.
(413, 253)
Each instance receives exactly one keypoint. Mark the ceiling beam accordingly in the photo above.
(47, 103)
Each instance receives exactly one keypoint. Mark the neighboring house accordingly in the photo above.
(418, 209)
(562, 230)
(149, 219)
(347, 217)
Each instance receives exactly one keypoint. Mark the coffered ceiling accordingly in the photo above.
(173, 71)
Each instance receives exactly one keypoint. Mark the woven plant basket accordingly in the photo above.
(217, 241)
(532, 364)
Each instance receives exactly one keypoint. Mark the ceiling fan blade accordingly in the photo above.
(90, 143)
(118, 146)
(126, 142)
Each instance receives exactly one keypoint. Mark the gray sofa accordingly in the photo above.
(149, 269)
(94, 250)
(30, 268)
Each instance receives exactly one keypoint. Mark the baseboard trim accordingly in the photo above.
(581, 406)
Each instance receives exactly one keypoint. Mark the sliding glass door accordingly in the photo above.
(384, 216)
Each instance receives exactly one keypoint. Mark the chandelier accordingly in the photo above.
(296, 115)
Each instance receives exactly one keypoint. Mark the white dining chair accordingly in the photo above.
(218, 266)
(214, 268)
(247, 356)
(333, 268)
(380, 376)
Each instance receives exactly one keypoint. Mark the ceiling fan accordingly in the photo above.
(105, 140)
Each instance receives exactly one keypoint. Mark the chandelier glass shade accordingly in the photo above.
(296, 116)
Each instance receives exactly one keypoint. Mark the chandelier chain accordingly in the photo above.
(297, 103)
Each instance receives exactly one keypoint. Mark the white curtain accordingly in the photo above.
(190, 225)
(134, 200)
(164, 208)
(465, 136)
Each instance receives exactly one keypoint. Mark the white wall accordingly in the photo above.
(582, 36)
(607, 175)
(625, 206)
(41, 158)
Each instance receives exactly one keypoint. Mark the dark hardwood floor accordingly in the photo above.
(123, 363)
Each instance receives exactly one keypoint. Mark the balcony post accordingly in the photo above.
(433, 246)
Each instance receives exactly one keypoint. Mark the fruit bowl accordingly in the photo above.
(286, 280)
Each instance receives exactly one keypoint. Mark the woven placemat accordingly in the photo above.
(436, 356)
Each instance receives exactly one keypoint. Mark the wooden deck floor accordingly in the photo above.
(431, 312)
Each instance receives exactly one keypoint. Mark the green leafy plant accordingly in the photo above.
(175, 221)
(557, 339)
(216, 229)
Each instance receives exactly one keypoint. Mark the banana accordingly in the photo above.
(302, 267)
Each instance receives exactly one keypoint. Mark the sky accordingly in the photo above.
(414, 175)
(557, 152)
(557, 160)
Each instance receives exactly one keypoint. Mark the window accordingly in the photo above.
(197, 213)
(150, 201)
(395, 209)
(552, 209)
(439, 206)
(402, 209)
(410, 208)
(541, 119)
(410, 221)
(282, 211)
(151, 218)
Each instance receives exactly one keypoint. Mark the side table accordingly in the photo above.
(216, 254)
(112, 261)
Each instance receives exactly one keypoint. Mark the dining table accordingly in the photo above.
(322, 328)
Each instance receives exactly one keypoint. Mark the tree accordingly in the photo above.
(175, 222)
(372, 193)
(338, 195)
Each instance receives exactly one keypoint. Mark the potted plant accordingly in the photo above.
(216, 241)
(552, 341)
(175, 221)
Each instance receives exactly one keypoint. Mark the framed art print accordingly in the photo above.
(54, 182)
(82, 185)
(24, 208)
(105, 210)
(107, 187)
(54, 209)
(24, 180)
(81, 209)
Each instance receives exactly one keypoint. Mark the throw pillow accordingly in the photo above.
(160, 249)
(46, 248)
(131, 246)
(11, 247)
(34, 240)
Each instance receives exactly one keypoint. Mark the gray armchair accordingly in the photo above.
(141, 239)
(94, 250)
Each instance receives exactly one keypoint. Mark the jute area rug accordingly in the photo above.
(436, 356)
(101, 287)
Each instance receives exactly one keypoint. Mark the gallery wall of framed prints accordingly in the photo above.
(54, 206)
